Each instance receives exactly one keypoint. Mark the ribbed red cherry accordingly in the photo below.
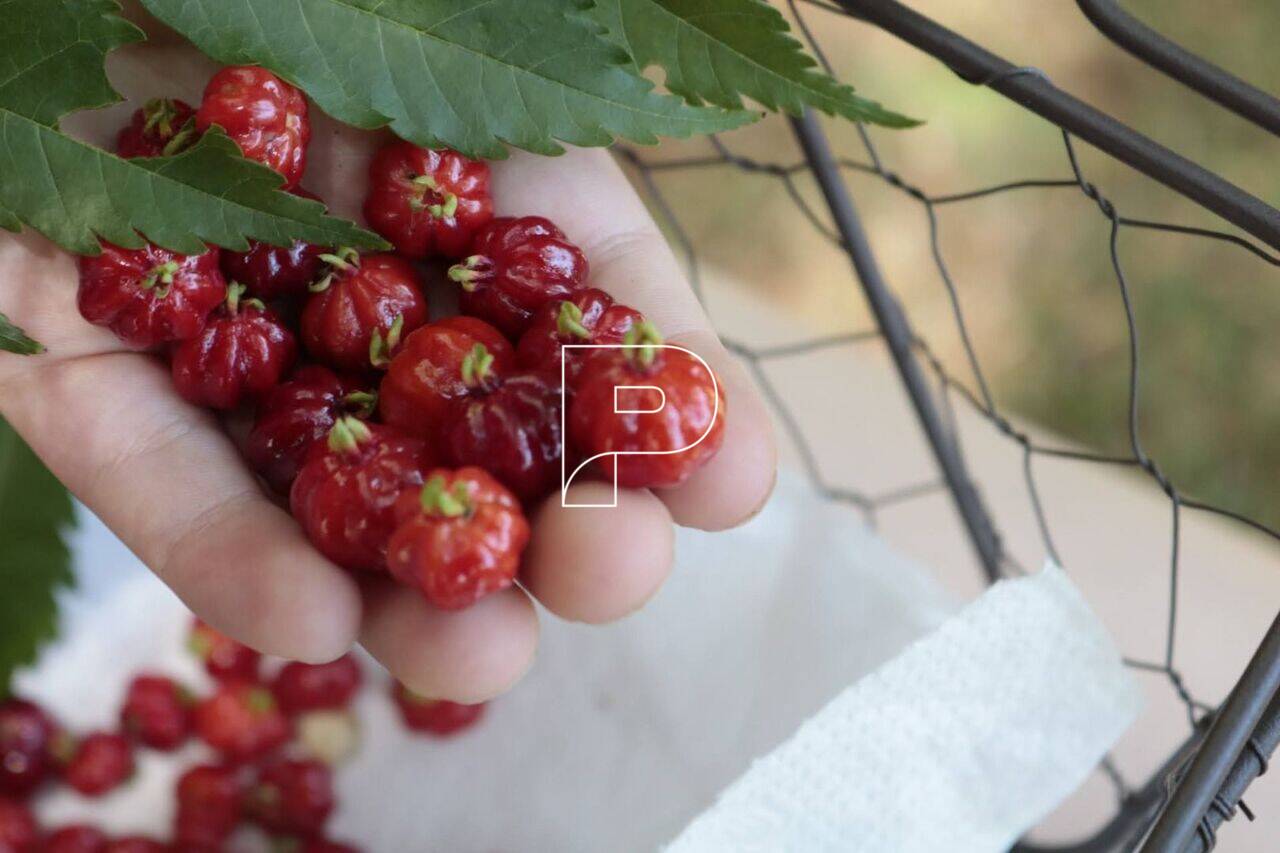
(588, 317)
(263, 114)
(149, 296)
(668, 433)
(223, 658)
(242, 721)
(297, 414)
(302, 687)
(209, 806)
(242, 353)
(164, 126)
(157, 712)
(276, 272)
(18, 829)
(510, 426)
(97, 763)
(427, 202)
(516, 267)
(426, 377)
(345, 494)
(26, 734)
(291, 797)
(434, 716)
(460, 538)
(79, 838)
(361, 310)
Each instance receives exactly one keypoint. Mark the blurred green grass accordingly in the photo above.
(1032, 268)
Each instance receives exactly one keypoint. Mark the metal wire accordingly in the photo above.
(974, 391)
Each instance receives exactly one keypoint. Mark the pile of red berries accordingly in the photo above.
(406, 445)
(276, 740)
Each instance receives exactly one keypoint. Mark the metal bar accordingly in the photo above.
(897, 332)
(1251, 764)
(1167, 56)
(977, 65)
(1232, 727)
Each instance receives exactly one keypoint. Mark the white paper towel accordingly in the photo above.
(961, 743)
(621, 735)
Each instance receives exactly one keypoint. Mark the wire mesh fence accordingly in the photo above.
(972, 388)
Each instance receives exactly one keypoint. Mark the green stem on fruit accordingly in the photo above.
(347, 434)
(444, 209)
(344, 258)
(380, 348)
(160, 113)
(469, 272)
(569, 322)
(477, 366)
(234, 291)
(160, 278)
(642, 341)
(362, 404)
(180, 140)
(440, 501)
(260, 701)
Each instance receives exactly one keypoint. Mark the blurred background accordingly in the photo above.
(1032, 268)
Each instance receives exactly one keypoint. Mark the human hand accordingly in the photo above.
(167, 477)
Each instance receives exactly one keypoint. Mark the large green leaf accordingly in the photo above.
(51, 63)
(13, 339)
(35, 514)
(467, 74)
(717, 51)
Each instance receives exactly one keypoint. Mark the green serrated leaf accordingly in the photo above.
(51, 63)
(717, 51)
(35, 514)
(467, 74)
(13, 339)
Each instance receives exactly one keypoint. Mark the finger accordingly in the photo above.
(586, 194)
(598, 564)
(164, 477)
(466, 656)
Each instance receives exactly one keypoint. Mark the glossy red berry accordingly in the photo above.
(157, 712)
(242, 721)
(460, 538)
(345, 494)
(163, 127)
(75, 839)
(209, 805)
(588, 317)
(360, 311)
(516, 267)
(149, 296)
(297, 414)
(303, 687)
(242, 353)
(292, 797)
(276, 272)
(135, 844)
(26, 735)
(510, 427)
(98, 763)
(675, 430)
(18, 830)
(224, 658)
(426, 377)
(264, 115)
(427, 202)
(434, 716)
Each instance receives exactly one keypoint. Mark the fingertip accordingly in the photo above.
(257, 579)
(736, 483)
(598, 565)
(467, 656)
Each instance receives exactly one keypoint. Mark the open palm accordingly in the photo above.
(168, 479)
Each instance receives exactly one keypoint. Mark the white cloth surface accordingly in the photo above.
(621, 735)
